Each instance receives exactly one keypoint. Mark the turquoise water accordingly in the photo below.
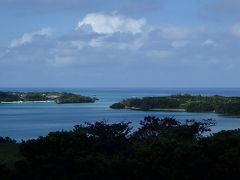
(30, 120)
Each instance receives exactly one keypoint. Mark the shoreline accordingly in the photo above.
(22, 102)
(167, 110)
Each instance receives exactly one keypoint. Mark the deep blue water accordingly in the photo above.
(30, 120)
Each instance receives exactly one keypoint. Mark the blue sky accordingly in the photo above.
(119, 43)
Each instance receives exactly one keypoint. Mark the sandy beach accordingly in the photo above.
(20, 102)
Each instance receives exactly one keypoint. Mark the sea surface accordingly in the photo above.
(30, 120)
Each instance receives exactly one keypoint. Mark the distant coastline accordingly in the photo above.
(23, 102)
(183, 103)
(158, 109)
(43, 97)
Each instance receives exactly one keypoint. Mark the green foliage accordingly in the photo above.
(73, 98)
(117, 106)
(8, 97)
(218, 104)
(147, 103)
(200, 107)
(160, 149)
(7, 140)
(34, 97)
(170, 128)
(231, 108)
(58, 97)
(10, 153)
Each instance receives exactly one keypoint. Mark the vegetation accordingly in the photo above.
(73, 98)
(57, 97)
(160, 149)
(10, 153)
(218, 104)
(117, 106)
(9, 97)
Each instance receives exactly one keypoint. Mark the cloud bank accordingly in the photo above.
(114, 47)
(28, 37)
(108, 24)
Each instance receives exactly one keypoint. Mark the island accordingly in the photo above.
(183, 103)
(57, 97)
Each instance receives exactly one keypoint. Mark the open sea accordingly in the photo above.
(30, 120)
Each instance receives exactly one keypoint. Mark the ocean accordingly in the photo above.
(31, 120)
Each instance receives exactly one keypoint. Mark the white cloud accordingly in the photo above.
(104, 46)
(108, 24)
(28, 37)
(96, 42)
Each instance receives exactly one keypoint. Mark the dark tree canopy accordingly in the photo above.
(57, 97)
(189, 103)
(160, 149)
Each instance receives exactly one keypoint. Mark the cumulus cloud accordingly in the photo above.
(108, 24)
(110, 39)
(103, 43)
(28, 37)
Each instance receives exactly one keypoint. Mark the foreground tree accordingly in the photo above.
(170, 128)
(160, 149)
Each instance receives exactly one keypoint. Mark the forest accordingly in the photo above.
(189, 103)
(160, 148)
(57, 97)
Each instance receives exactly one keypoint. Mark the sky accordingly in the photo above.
(119, 43)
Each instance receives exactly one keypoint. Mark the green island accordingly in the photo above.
(183, 103)
(57, 97)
